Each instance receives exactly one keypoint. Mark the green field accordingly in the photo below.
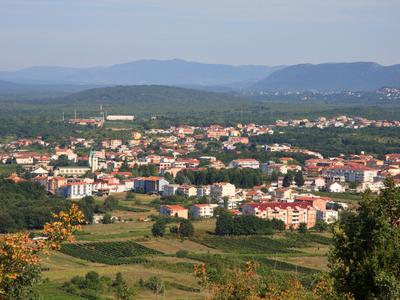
(129, 248)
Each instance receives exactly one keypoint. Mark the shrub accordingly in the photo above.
(186, 228)
(303, 228)
(155, 284)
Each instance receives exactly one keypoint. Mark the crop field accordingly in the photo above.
(289, 243)
(128, 247)
(111, 253)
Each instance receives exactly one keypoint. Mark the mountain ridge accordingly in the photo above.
(356, 76)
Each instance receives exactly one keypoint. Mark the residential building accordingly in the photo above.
(76, 190)
(70, 171)
(222, 189)
(244, 163)
(292, 214)
(198, 211)
(174, 211)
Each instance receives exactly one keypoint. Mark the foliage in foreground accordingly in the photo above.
(251, 283)
(20, 254)
(365, 259)
(92, 286)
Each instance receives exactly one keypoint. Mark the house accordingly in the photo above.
(244, 163)
(352, 173)
(198, 211)
(40, 172)
(271, 167)
(174, 211)
(76, 190)
(292, 214)
(222, 189)
(187, 190)
(170, 189)
(336, 187)
(70, 171)
(152, 184)
(318, 202)
(283, 194)
(329, 215)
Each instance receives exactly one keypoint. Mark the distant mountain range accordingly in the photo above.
(12, 88)
(328, 77)
(359, 76)
(168, 72)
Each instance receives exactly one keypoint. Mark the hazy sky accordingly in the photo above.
(269, 32)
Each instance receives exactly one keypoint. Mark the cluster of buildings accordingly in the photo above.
(148, 161)
(340, 121)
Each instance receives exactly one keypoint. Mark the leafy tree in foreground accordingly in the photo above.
(20, 254)
(365, 259)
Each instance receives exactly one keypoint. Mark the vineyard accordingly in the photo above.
(262, 244)
(111, 253)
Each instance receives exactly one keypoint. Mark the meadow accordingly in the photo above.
(128, 247)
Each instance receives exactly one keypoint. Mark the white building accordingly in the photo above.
(198, 211)
(70, 171)
(222, 189)
(120, 118)
(244, 163)
(76, 190)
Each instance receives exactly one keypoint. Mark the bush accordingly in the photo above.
(107, 219)
(303, 228)
(158, 229)
(321, 226)
(155, 284)
(174, 229)
(186, 228)
(181, 253)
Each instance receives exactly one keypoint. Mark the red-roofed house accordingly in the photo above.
(174, 211)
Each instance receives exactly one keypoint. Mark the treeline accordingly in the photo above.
(242, 178)
(26, 205)
(333, 141)
(229, 224)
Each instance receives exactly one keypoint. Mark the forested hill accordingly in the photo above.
(359, 76)
(154, 98)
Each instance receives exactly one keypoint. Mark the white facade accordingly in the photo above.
(120, 118)
(198, 211)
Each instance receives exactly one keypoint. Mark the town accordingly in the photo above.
(161, 162)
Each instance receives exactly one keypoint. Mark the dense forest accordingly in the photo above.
(26, 205)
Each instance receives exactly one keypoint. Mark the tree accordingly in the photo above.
(321, 226)
(278, 224)
(110, 204)
(287, 180)
(158, 228)
(155, 284)
(274, 176)
(299, 179)
(365, 258)
(107, 219)
(224, 224)
(20, 254)
(186, 228)
(303, 228)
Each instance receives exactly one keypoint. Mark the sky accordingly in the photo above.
(86, 33)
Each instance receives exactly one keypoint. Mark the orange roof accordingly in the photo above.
(175, 207)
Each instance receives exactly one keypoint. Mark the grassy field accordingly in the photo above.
(129, 248)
